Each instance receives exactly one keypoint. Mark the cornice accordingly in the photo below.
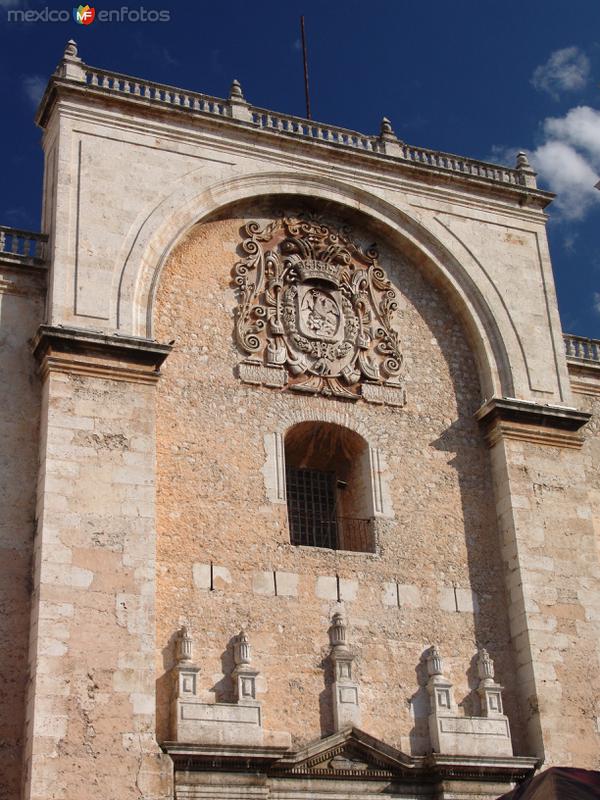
(523, 420)
(325, 151)
(85, 352)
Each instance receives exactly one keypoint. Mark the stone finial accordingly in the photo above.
(238, 105)
(236, 90)
(337, 631)
(435, 665)
(485, 665)
(243, 675)
(346, 709)
(241, 649)
(386, 128)
(70, 66)
(524, 167)
(185, 645)
(70, 49)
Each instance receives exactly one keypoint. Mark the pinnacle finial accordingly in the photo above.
(236, 91)
(241, 648)
(485, 665)
(435, 665)
(386, 130)
(185, 645)
(522, 160)
(71, 49)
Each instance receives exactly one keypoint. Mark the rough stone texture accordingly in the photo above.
(91, 697)
(21, 309)
(213, 506)
(551, 562)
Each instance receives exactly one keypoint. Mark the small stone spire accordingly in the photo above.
(392, 146)
(485, 665)
(238, 104)
(71, 49)
(185, 645)
(435, 665)
(523, 166)
(337, 631)
(243, 674)
(490, 692)
(386, 129)
(70, 66)
(242, 649)
(236, 90)
(346, 710)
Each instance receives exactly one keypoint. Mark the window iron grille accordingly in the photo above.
(313, 517)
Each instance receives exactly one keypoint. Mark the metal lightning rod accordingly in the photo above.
(308, 116)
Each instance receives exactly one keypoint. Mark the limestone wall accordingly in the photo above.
(438, 575)
(21, 310)
(91, 695)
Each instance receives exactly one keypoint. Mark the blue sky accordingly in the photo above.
(474, 77)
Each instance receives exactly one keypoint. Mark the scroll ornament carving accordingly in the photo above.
(316, 312)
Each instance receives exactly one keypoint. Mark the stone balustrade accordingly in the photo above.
(22, 245)
(117, 83)
(582, 348)
(385, 144)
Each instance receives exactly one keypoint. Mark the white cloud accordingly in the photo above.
(568, 160)
(596, 302)
(34, 86)
(580, 127)
(566, 70)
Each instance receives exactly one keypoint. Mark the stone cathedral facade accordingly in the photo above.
(300, 476)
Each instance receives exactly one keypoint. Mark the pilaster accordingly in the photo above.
(92, 644)
(551, 572)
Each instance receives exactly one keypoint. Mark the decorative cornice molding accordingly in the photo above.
(378, 761)
(508, 418)
(585, 377)
(84, 352)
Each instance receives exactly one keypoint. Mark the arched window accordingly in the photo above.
(328, 487)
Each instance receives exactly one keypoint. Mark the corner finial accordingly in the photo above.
(71, 49)
(526, 170)
(236, 91)
(386, 128)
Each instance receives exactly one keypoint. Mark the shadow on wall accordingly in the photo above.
(20, 314)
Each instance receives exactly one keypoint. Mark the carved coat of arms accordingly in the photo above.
(316, 313)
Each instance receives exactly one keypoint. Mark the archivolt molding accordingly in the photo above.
(148, 249)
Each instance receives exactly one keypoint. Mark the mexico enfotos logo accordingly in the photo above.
(85, 15)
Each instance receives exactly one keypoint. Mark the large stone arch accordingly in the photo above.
(495, 343)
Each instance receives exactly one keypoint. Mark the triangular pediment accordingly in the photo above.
(350, 752)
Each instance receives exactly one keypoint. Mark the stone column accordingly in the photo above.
(91, 705)
(552, 573)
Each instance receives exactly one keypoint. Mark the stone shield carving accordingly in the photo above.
(316, 312)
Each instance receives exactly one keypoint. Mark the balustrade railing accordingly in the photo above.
(156, 92)
(23, 245)
(582, 348)
(263, 119)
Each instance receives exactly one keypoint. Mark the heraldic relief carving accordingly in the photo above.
(316, 313)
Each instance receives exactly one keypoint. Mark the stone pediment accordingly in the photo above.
(349, 753)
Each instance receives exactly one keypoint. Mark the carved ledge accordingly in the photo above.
(359, 760)
(84, 352)
(508, 418)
